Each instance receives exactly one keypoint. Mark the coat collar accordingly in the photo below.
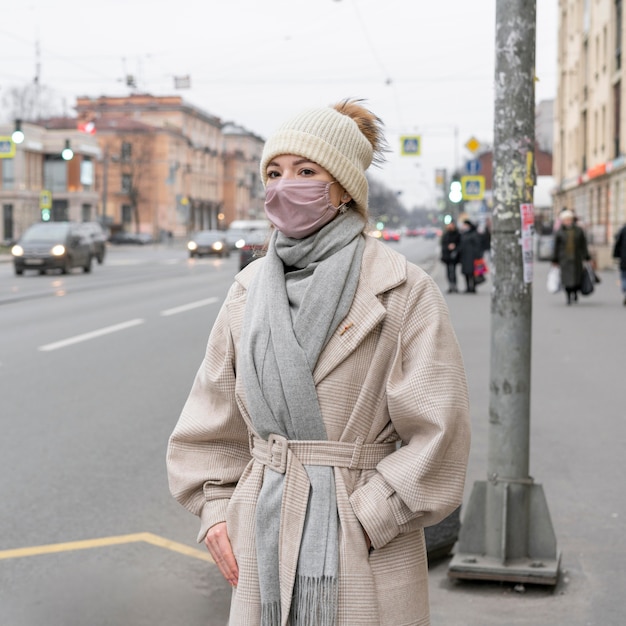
(381, 270)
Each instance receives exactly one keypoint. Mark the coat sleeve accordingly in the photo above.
(423, 481)
(208, 449)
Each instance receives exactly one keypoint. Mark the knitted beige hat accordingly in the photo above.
(330, 139)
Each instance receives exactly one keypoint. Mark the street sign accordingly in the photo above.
(45, 199)
(7, 148)
(473, 187)
(473, 166)
(472, 144)
(411, 145)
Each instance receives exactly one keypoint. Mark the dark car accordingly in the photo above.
(208, 242)
(254, 246)
(52, 245)
(98, 239)
(122, 237)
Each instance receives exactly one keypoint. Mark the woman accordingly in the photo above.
(470, 250)
(328, 423)
(450, 241)
(619, 253)
(570, 251)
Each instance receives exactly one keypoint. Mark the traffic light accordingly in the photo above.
(45, 215)
(456, 191)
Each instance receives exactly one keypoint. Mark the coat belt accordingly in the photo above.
(357, 455)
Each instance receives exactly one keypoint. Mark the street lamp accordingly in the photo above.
(18, 134)
(67, 153)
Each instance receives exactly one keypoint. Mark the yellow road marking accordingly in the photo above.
(103, 542)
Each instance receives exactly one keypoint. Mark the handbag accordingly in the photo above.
(480, 269)
(554, 279)
(587, 282)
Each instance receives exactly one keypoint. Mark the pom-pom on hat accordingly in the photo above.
(331, 139)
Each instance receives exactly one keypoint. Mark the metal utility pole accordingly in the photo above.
(507, 533)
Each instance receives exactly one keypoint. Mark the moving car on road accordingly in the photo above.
(52, 245)
(208, 242)
(98, 239)
(254, 247)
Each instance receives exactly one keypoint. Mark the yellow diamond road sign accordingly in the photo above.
(472, 144)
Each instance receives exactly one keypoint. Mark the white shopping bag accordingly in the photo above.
(554, 279)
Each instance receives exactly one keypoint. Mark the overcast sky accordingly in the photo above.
(424, 67)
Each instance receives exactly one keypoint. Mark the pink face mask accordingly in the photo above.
(298, 208)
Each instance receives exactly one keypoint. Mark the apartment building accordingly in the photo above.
(168, 166)
(589, 130)
(141, 163)
(51, 166)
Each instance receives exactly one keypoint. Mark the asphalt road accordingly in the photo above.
(93, 373)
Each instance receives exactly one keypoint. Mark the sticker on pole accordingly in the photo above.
(528, 231)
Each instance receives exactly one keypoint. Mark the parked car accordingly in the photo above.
(254, 247)
(52, 245)
(122, 237)
(238, 231)
(208, 242)
(97, 236)
(390, 235)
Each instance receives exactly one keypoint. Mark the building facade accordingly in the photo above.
(589, 139)
(34, 175)
(141, 164)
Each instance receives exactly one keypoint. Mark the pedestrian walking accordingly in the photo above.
(450, 241)
(570, 252)
(619, 252)
(328, 423)
(470, 250)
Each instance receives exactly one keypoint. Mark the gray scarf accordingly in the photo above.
(299, 297)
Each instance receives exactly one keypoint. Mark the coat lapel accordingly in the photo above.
(384, 270)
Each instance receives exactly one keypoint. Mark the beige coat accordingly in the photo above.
(392, 371)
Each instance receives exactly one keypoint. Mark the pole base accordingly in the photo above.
(480, 567)
(534, 559)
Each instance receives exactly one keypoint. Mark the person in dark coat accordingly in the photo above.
(450, 241)
(570, 251)
(470, 249)
(619, 252)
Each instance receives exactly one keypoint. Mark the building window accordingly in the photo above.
(126, 151)
(55, 173)
(618, 34)
(617, 104)
(7, 222)
(127, 183)
(86, 214)
(8, 174)
(127, 214)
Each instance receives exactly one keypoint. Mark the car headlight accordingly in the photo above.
(192, 245)
(218, 245)
(58, 250)
(17, 250)
(240, 243)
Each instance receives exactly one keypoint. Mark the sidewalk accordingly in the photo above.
(577, 452)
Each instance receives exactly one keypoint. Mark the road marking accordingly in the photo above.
(104, 542)
(188, 307)
(92, 335)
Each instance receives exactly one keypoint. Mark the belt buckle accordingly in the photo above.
(277, 447)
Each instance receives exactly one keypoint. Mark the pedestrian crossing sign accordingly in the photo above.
(410, 145)
(473, 187)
